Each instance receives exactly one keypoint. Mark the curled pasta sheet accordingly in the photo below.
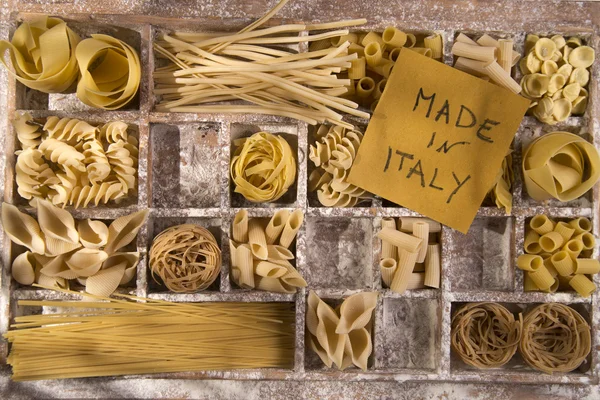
(76, 163)
(110, 72)
(271, 271)
(560, 165)
(333, 155)
(354, 346)
(501, 190)
(485, 335)
(186, 257)
(263, 167)
(556, 338)
(42, 54)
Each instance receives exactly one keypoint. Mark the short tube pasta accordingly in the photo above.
(501, 77)
(574, 247)
(416, 281)
(588, 266)
(563, 263)
(532, 242)
(551, 241)
(480, 53)
(388, 268)
(406, 224)
(581, 225)
(394, 53)
(421, 230)
(365, 87)
(372, 37)
(582, 285)
(243, 257)
(587, 240)
(394, 37)
(379, 88)
(529, 285)
(434, 42)
(292, 226)
(357, 68)
(541, 224)
(401, 240)
(405, 268)
(506, 54)
(388, 250)
(565, 230)
(240, 226)
(542, 278)
(276, 225)
(473, 67)
(373, 54)
(257, 240)
(433, 269)
(529, 262)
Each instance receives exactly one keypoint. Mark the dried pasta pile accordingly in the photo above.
(404, 250)
(145, 336)
(61, 250)
(487, 58)
(45, 55)
(263, 167)
(207, 71)
(560, 165)
(186, 257)
(341, 336)
(260, 255)
(556, 338)
(555, 74)
(377, 54)
(333, 155)
(558, 256)
(71, 162)
(485, 335)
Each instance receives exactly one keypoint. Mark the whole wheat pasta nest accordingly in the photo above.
(186, 257)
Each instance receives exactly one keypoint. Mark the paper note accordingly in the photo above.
(436, 141)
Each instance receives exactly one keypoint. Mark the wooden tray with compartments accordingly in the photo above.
(183, 177)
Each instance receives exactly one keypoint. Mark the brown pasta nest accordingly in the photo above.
(186, 257)
(485, 335)
(556, 338)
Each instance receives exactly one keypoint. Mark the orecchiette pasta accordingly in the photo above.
(75, 163)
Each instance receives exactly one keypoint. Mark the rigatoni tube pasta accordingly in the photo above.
(263, 260)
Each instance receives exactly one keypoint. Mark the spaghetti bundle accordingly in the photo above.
(485, 335)
(121, 337)
(186, 257)
(556, 338)
(206, 72)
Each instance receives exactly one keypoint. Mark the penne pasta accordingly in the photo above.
(240, 226)
(432, 266)
(277, 252)
(257, 239)
(269, 270)
(388, 268)
(291, 228)
(421, 230)
(388, 250)
(276, 225)
(405, 268)
(401, 240)
(245, 265)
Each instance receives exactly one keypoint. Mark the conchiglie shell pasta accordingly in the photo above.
(123, 230)
(23, 268)
(56, 223)
(22, 229)
(92, 234)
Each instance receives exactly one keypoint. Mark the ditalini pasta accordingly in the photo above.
(342, 336)
(487, 57)
(333, 154)
(262, 261)
(556, 338)
(558, 257)
(111, 337)
(485, 335)
(186, 257)
(402, 268)
(556, 92)
(263, 167)
(63, 249)
(71, 162)
(42, 54)
(560, 165)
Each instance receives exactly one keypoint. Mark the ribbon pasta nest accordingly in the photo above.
(560, 165)
(341, 336)
(186, 257)
(263, 167)
(333, 154)
(42, 53)
(62, 249)
(260, 254)
(485, 335)
(71, 162)
(556, 338)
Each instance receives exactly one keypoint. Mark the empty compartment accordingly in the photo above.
(409, 334)
(30, 99)
(287, 132)
(185, 167)
(483, 258)
(517, 364)
(159, 224)
(339, 255)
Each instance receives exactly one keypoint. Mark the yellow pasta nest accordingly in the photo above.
(61, 249)
(42, 54)
(341, 336)
(485, 335)
(560, 165)
(110, 72)
(557, 256)
(186, 257)
(263, 167)
(71, 162)
(555, 74)
(556, 338)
